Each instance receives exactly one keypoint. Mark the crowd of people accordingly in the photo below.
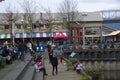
(18, 51)
(13, 52)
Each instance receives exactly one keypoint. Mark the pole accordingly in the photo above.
(23, 31)
(101, 38)
(13, 32)
(83, 37)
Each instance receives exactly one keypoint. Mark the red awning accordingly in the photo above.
(60, 35)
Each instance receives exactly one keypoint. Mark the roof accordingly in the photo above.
(114, 33)
(91, 16)
(82, 16)
(115, 26)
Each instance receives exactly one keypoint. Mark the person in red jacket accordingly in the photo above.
(61, 58)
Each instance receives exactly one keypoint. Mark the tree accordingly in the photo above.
(11, 17)
(11, 13)
(30, 8)
(69, 13)
(49, 20)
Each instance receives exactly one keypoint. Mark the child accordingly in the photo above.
(39, 66)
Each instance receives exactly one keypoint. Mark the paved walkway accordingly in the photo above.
(63, 73)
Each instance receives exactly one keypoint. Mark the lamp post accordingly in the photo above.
(23, 29)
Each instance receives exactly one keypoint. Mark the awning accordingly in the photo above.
(113, 33)
(38, 35)
(4, 36)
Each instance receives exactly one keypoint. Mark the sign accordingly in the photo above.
(41, 47)
(72, 54)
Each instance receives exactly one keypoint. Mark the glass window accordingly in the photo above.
(19, 26)
(6, 26)
(92, 31)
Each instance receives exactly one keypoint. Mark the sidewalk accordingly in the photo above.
(63, 74)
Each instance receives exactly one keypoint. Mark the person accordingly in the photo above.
(61, 59)
(54, 62)
(39, 67)
(22, 48)
(50, 55)
(79, 67)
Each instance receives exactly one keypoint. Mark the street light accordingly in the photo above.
(23, 28)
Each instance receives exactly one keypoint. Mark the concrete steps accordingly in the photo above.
(12, 71)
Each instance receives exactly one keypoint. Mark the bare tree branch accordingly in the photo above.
(69, 13)
(49, 19)
(11, 13)
(30, 8)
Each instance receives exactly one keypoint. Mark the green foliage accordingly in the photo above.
(94, 72)
(85, 78)
(73, 60)
(69, 64)
(2, 62)
(2, 59)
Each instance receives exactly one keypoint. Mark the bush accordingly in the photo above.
(73, 60)
(85, 78)
(95, 73)
(2, 62)
(2, 59)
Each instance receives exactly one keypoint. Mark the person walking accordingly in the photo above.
(22, 48)
(54, 62)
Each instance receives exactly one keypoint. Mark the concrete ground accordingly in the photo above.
(63, 73)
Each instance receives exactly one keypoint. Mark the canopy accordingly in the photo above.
(5, 36)
(114, 33)
(60, 35)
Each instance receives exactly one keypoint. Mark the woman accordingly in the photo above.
(54, 62)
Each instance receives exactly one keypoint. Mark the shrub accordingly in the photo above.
(95, 73)
(85, 78)
(2, 59)
(73, 60)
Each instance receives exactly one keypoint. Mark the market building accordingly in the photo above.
(91, 27)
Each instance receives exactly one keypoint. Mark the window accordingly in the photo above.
(19, 27)
(6, 26)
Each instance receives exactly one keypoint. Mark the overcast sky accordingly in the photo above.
(83, 5)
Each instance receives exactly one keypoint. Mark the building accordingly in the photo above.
(90, 27)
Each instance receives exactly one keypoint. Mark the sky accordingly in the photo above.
(83, 5)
